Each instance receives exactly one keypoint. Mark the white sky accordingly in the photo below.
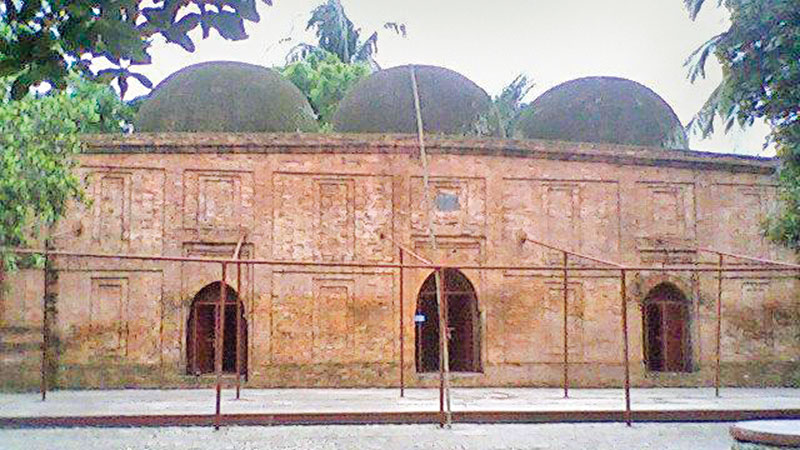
(490, 42)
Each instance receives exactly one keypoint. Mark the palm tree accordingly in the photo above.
(510, 103)
(337, 34)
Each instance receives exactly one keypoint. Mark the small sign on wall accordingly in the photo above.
(419, 318)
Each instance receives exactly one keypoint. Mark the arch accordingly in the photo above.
(643, 284)
(201, 330)
(463, 322)
(665, 316)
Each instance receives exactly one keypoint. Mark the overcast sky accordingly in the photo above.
(490, 42)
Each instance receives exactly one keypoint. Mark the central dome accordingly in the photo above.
(449, 103)
(602, 109)
(226, 97)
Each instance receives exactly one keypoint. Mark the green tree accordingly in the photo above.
(324, 79)
(39, 137)
(509, 104)
(336, 34)
(760, 58)
(45, 40)
(113, 114)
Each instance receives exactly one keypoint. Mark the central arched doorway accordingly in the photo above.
(666, 330)
(201, 330)
(463, 321)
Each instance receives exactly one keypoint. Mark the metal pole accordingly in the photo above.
(45, 338)
(220, 328)
(442, 324)
(448, 410)
(193, 312)
(719, 326)
(238, 329)
(402, 332)
(623, 294)
(444, 357)
(566, 328)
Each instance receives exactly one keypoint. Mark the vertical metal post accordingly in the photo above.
(402, 332)
(238, 329)
(219, 329)
(446, 312)
(442, 324)
(45, 331)
(624, 295)
(566, 328)
(719, 326)
(444, 357)
(194, 310)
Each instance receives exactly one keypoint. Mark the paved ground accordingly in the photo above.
(384, 437)
(201, 401)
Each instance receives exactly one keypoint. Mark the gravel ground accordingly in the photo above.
(682, 436)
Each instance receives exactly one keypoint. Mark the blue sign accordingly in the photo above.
(419, 318)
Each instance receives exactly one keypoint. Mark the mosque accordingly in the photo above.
(226, 162)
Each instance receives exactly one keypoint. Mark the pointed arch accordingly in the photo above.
(201, 331)
(463, 321)
(667, 342)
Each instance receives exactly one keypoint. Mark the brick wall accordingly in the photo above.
(331, 198)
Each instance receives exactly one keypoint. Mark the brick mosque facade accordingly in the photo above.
(347, 199)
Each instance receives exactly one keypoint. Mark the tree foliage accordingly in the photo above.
(324, 79)
(760, 58)
(337, 34)
(44, 40)
(509, 103)
(38, 140)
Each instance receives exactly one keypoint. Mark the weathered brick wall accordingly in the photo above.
(332, 198)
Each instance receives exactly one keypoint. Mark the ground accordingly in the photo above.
(707, 436)
(254, 401)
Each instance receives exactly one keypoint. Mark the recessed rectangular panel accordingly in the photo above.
(217, 202)
(333, 320)
(666, 213)
(335, 221)
(292, 318)
(108, 316)
(578, 215)
(332, 217)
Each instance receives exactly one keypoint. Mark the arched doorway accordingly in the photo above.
(463, 320)
(201, 331)
(666, 330)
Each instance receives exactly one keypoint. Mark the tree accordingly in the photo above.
(39, 137)
(45, 40)
(509, 103)
(324, 79)
(760, 58)
(337, 34)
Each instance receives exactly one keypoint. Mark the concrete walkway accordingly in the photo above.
(597, 436)
(289, 401)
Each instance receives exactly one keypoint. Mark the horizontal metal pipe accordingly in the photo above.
(783, 268)
(396, 417)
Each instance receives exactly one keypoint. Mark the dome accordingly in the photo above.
(449, 103)
(602, 109)
(227, 97)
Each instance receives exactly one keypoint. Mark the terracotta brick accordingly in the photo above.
(334, 198)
